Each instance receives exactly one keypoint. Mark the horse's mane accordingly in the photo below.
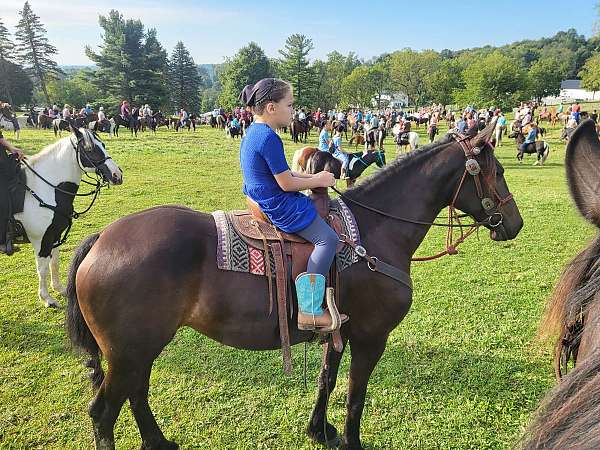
(51, 148)
(399, 164)
(574, 292)
(568, 415)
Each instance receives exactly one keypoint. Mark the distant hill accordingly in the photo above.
(210, 70)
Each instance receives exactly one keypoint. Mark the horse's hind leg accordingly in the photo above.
(152, 436)
(54, 272)
(319, 429)
(104, 409)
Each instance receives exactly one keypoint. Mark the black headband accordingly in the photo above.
(254, 94)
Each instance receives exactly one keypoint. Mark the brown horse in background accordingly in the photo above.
(133, 285)
(299, 129)
(569, 416)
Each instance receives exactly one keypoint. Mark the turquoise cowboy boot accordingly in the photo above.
(310, 289)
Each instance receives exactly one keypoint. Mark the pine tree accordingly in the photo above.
(152, 78)
(184, 79)
(294, 67)
(33, 50)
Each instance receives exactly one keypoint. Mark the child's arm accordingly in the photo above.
(290, 183)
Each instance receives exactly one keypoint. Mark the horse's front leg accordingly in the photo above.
(54, 272)
(319, 429)
(365, 355)
(43, 267)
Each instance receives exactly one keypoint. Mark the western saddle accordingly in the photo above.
(290, 254)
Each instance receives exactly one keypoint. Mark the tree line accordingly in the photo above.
(131, 64)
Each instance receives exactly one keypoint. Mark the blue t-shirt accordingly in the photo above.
(531, 136)
(262, 157)
(324, 140)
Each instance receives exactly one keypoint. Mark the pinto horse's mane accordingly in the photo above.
(51, 148)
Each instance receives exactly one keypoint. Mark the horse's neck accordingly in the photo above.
(418, 190)
(58, 164)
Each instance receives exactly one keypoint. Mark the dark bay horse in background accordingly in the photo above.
(133, 285)
(569, 416)
(299, 130)
(132, 122)
(312, 160)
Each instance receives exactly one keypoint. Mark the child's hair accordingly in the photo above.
(264, 91)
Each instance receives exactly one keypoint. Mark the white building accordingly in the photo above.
(570, 91)
(396, 100)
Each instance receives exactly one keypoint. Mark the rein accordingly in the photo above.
(473, 169)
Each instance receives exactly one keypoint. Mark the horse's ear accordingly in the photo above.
(78, 133)
(583, 170)
(484, 136)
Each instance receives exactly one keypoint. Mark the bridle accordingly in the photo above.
(98, 182)
(490, 205)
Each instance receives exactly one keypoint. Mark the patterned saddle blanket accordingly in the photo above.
(238, 253)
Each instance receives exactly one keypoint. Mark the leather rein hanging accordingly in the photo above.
(490, 206)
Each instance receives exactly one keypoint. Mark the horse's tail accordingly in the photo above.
(568, 413)
(79, 333)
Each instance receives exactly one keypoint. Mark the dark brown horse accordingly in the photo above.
(299, 130)
(146, 275)
(569, 416)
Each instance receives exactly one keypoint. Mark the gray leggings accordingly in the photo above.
(325, 241)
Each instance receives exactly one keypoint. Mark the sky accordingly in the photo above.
(213, 30)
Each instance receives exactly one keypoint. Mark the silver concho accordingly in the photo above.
(472, 167)
(487, 203)
(476, 150)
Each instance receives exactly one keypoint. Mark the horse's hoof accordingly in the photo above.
(51, 304)
(166, 445)
(332, 440)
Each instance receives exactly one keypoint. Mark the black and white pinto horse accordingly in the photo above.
(60, 125)
(232, 131)
(105, 126)
(375, 137)
(540, 147)
(405, 139)
(47, 210)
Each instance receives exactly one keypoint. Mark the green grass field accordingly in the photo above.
(463, 370)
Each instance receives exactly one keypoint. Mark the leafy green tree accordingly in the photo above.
(545, 76)
(76, 90)
(590, 74)
(409, 71)
(357, 88)
(295, 68)
(249, 65)
(184, 80)
(34, 52)
(441, 83)
(17, 83)
(379, 78)
(497, 80)
(329, 76)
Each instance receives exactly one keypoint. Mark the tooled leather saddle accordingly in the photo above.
(290, 254)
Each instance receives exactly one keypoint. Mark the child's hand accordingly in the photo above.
(326, 179)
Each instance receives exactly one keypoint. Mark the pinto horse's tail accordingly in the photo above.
(79, 333)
